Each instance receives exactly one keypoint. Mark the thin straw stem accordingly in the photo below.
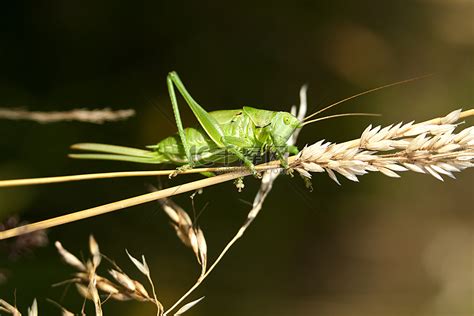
(114, 206)
(265, 188)
(121, 174)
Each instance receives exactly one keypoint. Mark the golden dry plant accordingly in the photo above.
(121, 287)
(13, 310)
(440, 146)
(431, 147)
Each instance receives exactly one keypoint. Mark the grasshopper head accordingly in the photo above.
(282, 127)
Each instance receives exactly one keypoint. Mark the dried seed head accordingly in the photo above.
(33, 310)
(435, 149)
(171, 212)
(192, 237)
(95, 252)
(83, 291)
(202, 249)
(123, 280)
(8, 308)
(141, 291)
(106, 286)
(69, 258)
(142, 266)
(121, 297)
(188, 306)
(182, 224)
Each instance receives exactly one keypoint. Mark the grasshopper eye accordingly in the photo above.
(286, 120)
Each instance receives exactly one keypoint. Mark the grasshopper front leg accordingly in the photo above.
(208, 123)
(281, 155)
(177, 116)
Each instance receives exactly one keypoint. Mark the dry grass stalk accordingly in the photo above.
(111, 207)
(428, 147)
(89, 283)
(193, 237)
(143, 267)
(122, 288)
(97, 116)
(123, 174)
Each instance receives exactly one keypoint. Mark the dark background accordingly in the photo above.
(380, 247)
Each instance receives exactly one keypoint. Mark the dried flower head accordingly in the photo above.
(191, 235)
(90, 284)
(429, 148)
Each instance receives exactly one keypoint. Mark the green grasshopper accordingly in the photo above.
(223, 136)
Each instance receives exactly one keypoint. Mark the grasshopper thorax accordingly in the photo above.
(283, 125)
(276, 127)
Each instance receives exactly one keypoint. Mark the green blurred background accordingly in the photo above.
(380, 247)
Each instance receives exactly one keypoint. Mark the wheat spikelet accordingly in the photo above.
(435, 149)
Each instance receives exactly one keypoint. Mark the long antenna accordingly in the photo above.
(338, 115)
(365, 92)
